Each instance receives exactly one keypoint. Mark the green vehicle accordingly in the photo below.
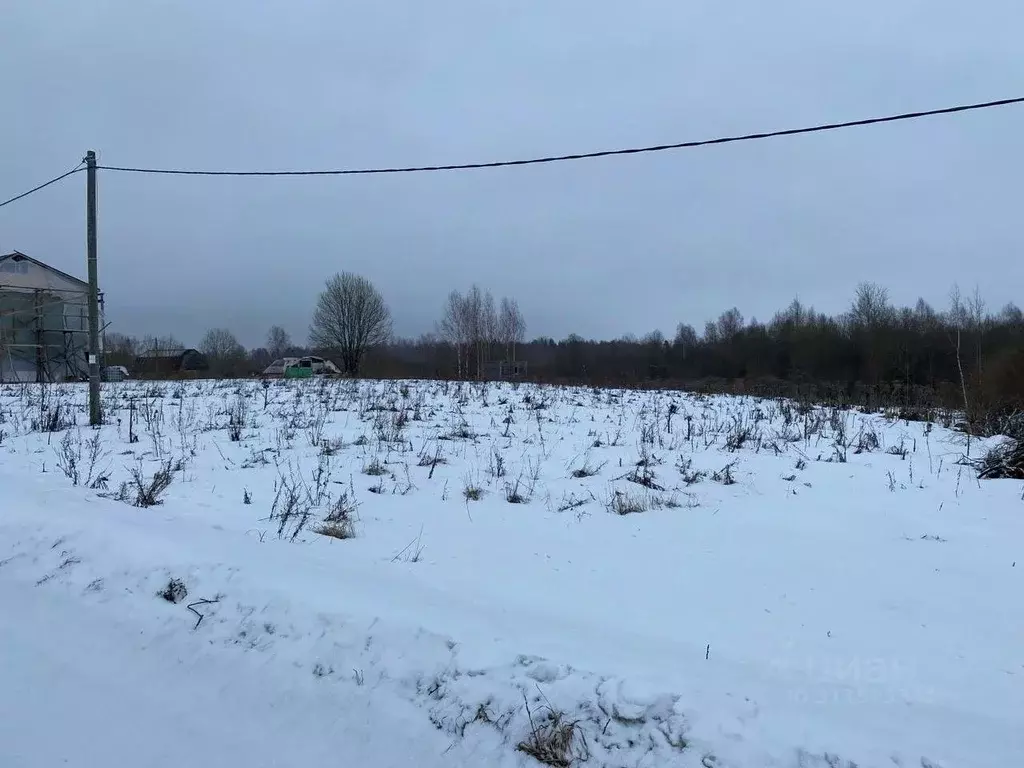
(300, 368)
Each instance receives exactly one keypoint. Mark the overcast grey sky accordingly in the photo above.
(601, 247)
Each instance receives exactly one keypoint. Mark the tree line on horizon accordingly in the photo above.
(964, 356)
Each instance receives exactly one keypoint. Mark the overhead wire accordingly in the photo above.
(584, 155)
(544, 160)
(78, 168)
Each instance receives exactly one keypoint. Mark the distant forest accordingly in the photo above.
(875, 354)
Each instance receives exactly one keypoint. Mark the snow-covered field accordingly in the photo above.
(614, 578)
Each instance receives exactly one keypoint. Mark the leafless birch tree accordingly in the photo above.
(511, 326)
(473, 325)
(488, 331)
(455, 328)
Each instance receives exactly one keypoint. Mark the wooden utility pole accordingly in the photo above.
(95, 417)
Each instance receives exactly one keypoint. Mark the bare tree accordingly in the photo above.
(472, 324)
(959, 318)
(958, 315)
(488, 330)
(711, 332)
(465, 324)
(796, 313)
(119, 349)
(511, 326)
(220, 343)
(730, 323)
(473, 309)
(278, 341)
(686, 340)
(351, 317)
(976, 310)
(455, 329)
(925, 316)
(448, 327)
(870, 306)
(159, 343)
(224, 352)
(1011, 314)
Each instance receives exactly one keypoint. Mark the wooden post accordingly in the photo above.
(95, 417)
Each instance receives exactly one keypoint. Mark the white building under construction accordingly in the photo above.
(44, 322)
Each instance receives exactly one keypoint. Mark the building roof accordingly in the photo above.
(165, 352)
(19, 256)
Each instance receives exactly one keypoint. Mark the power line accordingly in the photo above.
(543, 160)
(585, 155)
(63, 176)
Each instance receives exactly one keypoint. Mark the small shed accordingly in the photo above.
(170, 362)
(503, 370)
(278, 367)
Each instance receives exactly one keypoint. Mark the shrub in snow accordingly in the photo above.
(588, 470)
(237, 416)
(174, 592)
(375, 468)
(148, 492)
(644, 475)
(67, 460)
(141, 491)
(339, 529)
(329, 447)
(74, 454)
(724, 475)
(513, 493)
(900, 450)
(431, 460)
(627, 503)
(1005, 460)
(459, 432)
(689, 474)
(867, 441)
(738, 437)
(292, 508)
(622, 503)
(554, 740)
(53, 419)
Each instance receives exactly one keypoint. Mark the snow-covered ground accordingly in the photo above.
(662, 579)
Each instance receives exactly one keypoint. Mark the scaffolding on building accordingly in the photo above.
(44, 334)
